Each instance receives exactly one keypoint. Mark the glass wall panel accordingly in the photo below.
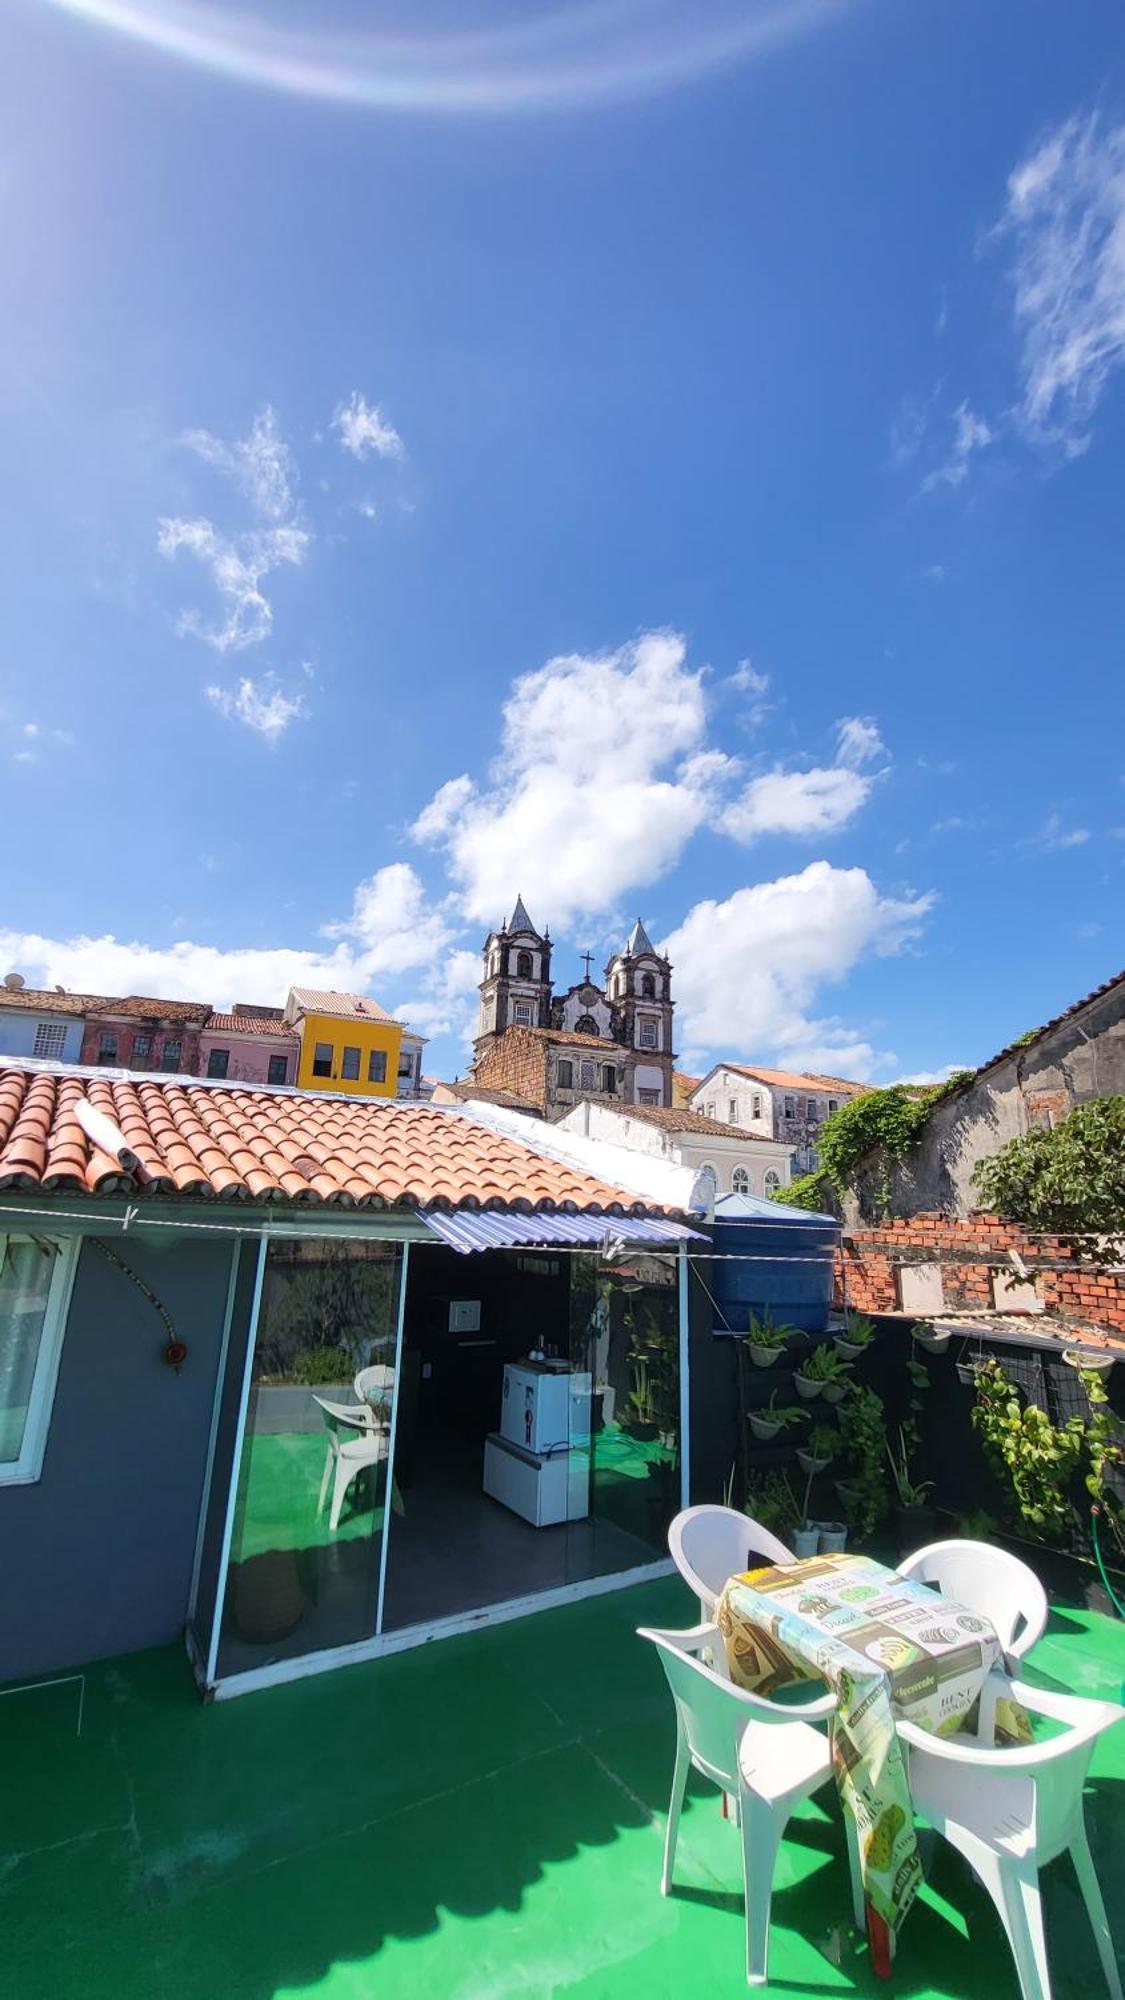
(313, 1480)
(625, 1335)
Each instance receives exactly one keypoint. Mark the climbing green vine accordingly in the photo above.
(1070, 1179)
(882, 1124)
(1052, 1472)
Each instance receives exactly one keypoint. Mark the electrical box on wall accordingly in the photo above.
(464, 1315)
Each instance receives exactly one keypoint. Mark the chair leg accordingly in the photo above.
(762, 1828)
(855, 1867)
(675, 1803)
(1015, 1891)
(328, 1457)
(1095, 1906)
(345, 1473)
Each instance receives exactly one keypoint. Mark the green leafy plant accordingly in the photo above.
(783, 1414)
(1070, 1179)
(1034, 1459)
(771, 1501)
(863, 1431)
(321, 1364)
(823, 1441)
(859, 1330)
(825, 1365)
(879, 1127)
(811, 1191)
(762, 1332)
(909, 1491)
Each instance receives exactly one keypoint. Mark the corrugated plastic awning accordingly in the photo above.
(486, 1229)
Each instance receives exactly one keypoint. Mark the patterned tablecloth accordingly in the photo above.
(885, 1644)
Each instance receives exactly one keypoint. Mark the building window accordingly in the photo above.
(142, 1048)
(50, 1038)
(833, 1105)
(740, 1181)
(648, 1096)
(585, 1025)
(648, 1035)
(648, 987)
(173, 1053)
(406, 1062)
(790, 1107)
(322, 1059)
(709, 1110)
(814, 1110)
(732, 1111)
(218, 1062)
(34, 1284)
(609, 1080)
(757, 1105)
(107, 1047)
(524, 969)
(278, 1069)
(588, 1075)
(522, 1014)
(565, 1073)
(377, 1066)
(772, 1182)
(349, 1065)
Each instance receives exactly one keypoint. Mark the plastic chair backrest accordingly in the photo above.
(992, 1581)
(710, 1544)
(711, 1710)
(340, 1420)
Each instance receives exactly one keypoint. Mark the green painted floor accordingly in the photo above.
(479, 1818)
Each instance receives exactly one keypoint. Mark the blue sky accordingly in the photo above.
(663, 461)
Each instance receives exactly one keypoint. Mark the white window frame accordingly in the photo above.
(27, 1468)
(521, 1013)
(738, 1175)
(772, 1181)
(648, 1032)
(50, 1040)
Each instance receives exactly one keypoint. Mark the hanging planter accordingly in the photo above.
(1092, 1364)
(834, 1392)
(763, 1427)
(850, 1493)
(967, 1373)
(935, 1339)
(764, 1357)
(809, 1463)
(807, 1386)
(847, 1349)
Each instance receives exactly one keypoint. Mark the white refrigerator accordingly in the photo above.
(538, 1462)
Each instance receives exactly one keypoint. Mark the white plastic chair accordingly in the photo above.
(755, 1751)
(372, 1385)
(992, 1581)
(711, 1544)
(1011, 1811)
(348, 1456)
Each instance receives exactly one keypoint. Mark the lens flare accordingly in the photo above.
(591, 51)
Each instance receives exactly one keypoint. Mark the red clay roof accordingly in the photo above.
(44, 1000)
(793, 1080)
(314, 1000)
(240, 1144)
(678, 1118)
(249, 1024)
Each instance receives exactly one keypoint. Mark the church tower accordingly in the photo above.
(639, 988)
(516, 989)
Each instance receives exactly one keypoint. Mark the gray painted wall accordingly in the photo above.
(1082, 1058)
(96, 1557)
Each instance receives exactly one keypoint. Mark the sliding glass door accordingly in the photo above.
(309, 1519)
(625, 1442)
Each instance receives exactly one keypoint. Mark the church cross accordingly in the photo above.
(586, 957)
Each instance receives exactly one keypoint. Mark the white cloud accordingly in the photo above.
(447, 1002)
(238, 569)
(364, 429)
(260, 705)
(858, 740)
(970, 434)
(603, 776)
(1055, 837)
(909, 425)
(392, 930)
(1065, 215)
(748, 970)
(926, 1076)
(260, 465)
(796, 802)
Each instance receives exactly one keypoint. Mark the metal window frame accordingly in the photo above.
(27, 1469)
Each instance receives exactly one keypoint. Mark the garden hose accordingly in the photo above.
(1112, 1594)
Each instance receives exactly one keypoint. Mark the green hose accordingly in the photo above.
(1113, 1597)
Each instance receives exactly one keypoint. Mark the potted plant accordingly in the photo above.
(770, 1501)
(1087, 1362)
(773, 1418)
(935, 1339)
(858, 1333)
(823, 1374)
(819, 1450)
(766, 1342)
(914, 1519)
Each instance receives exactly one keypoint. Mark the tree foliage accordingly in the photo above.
(813, 1191)
(882, 1124)
(1069, 1180)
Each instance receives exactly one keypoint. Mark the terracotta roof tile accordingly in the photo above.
(250, 1024)
(236, 1143)
(793, 1079)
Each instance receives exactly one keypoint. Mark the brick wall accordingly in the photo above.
(972, 1255)
(517, 1061)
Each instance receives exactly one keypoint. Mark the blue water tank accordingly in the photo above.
(790, 1254)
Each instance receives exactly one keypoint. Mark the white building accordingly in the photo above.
(741, 1161)
(775, 1104)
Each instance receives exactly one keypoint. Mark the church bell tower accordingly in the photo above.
(516, 989)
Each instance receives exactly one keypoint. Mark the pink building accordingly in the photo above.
(251, 1045)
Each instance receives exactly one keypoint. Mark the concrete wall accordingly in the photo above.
(96, 1556)
(249, 1056)
(1082, 1058)
(688, 1149)
(17, 1034)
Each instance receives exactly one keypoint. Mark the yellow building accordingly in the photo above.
(351, 1044)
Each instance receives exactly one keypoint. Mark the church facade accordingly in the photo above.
(611, 1042)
